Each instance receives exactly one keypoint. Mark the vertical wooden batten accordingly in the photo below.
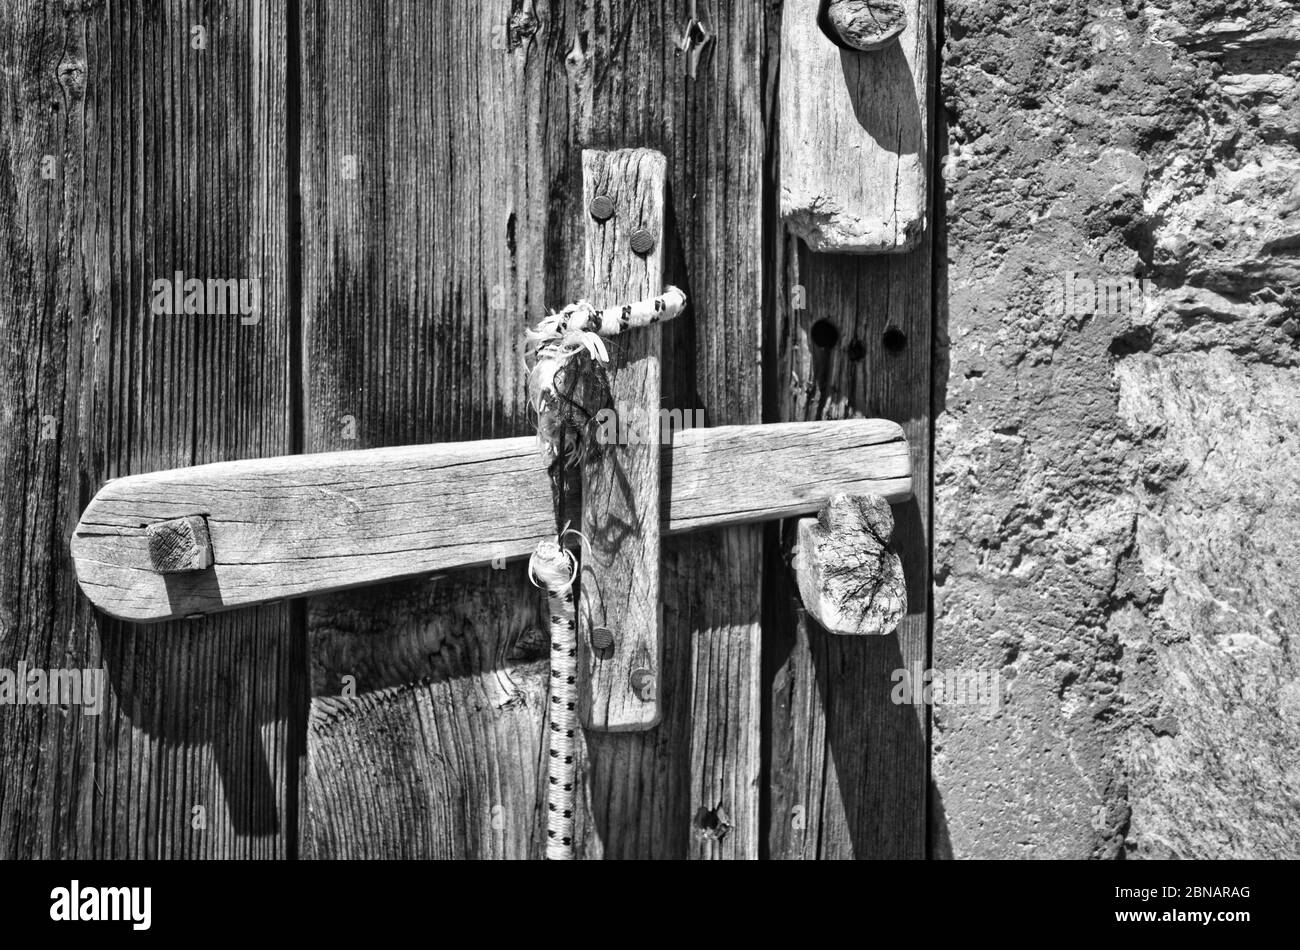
(619, 589)
(854, 132)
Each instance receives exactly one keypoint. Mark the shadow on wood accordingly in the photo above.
(189, 684)
(843, 755)
(880, 87)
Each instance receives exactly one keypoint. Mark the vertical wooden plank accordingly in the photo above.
(847, 768)
(620, 588)
(690, 787)
(433, 154)
(165, 125)
(460, 227)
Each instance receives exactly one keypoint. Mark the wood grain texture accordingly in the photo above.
(434, 151)
(853, 140)
(165, 157)
(619, 588)
(310, 524)
(657, 794)
(847, 769)
(865, 24)
(419, 276)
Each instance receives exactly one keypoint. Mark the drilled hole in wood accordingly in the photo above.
(713, 823)
(857, 350)
(894, 339)
(825, 334)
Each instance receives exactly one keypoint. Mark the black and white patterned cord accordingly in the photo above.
(554, 568)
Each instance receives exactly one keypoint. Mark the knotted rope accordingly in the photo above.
(568, 385)
(568, 355)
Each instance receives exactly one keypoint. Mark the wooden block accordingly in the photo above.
(179, 545)
(866, 24)
(853, 132)
(850, 579)
(309, 524)
(619, 587)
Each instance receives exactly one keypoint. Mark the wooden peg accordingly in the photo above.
(179, 545)
(850, 580)
(866, 24)
(619, 586)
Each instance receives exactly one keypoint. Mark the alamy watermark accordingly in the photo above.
(79, 902)
(179, 294)
(635, 425)
(34, 686)
(1075, 295)
(960, 687)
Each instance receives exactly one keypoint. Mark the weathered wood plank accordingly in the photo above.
(165, 151)
(658, 794)
(619, 588)
(419, 275)
(847, 768)
(310, 524)
(853, 133)
(434, 148)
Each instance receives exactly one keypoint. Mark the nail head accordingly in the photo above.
(602, 638)
(602, 207)
(643, 242)
(643, 684)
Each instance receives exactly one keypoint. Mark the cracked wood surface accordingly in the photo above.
(462, 226)
(619, 589)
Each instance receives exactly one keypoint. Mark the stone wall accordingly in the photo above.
(1117, 429)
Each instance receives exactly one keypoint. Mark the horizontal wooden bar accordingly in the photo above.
(308, 524)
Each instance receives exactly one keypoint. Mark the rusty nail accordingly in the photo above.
(643, 242)
(602, 638)
(643, 684)
(602, 207)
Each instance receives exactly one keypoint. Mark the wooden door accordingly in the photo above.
(437, 155)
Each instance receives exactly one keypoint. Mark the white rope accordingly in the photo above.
(578, 328)
(554, 568)
(552, 343)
